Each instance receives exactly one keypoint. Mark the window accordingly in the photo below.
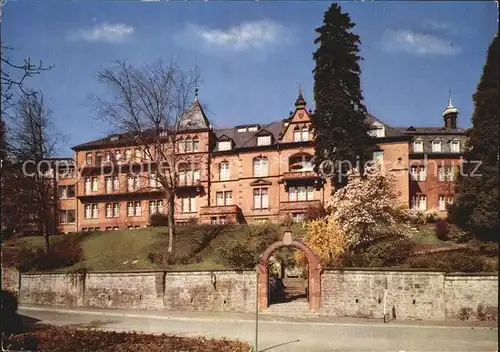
(260, 198)
(71, 217)
(181, 146)
(242, 129)
(422, 202)
(446, 173)
(153, 180)
(224, 145)
(222, 220)
(63, 192)
(378, 157)
(296, 135)
(196, 144)
(128, 155)
(116, 210)
(188, 145)
(155, 206)
(109, 184)
(422, 173)
(137, 155)
(301, 163)
(414, 173)
(224, 198)
(91, 211)
(305, 134)
(95, 184)
(298, 217)
(116, 183)
(377, 131)
(63, 217)
(263, 140)
(292, 194)
(252, 128)
(224, 171)
(132, 182)
(213, 220)
(436, 146)
(260, 168)
(189, 174)
(98, 158)
(418, 147)
(108, 157)
(442, 203)
(88, 185)
(118, 155)
(109, 210)
(71, 191)
(134, 208)
(455, 146)
(88, 159)
(189, 204)
(300, 193)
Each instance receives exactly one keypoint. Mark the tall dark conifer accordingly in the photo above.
(341, 134)
(477, 203)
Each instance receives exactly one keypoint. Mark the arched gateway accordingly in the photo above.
(314, 276)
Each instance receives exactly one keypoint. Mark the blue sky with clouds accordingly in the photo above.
(254, 55)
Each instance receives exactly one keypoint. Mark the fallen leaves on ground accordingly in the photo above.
(85, 340)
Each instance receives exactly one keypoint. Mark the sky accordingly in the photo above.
(253, 56)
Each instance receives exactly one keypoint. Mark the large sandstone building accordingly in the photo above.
(250, 173)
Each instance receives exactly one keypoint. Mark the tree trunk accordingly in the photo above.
(45, 238)
(171, 229)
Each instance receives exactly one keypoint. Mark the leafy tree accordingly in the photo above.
(367, 208)
(338, 121)
(325, 238)
(476, 207)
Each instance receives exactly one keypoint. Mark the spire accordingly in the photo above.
(196, 94)
(300, 102)
(450, 114)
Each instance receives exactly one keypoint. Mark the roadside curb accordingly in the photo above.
(231, 320)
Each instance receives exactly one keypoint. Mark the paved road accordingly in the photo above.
(284, 334)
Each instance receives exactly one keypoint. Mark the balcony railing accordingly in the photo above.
(299, 205)
(300, 175)
(219, 210)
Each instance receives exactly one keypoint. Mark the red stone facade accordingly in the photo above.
(251, 174)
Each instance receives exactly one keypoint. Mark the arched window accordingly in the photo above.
(296, 134)
(88, 158)
(224, 171)
(305, 133)
(260, 167)
(196, 144)
(300, 163)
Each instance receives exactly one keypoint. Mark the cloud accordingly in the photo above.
(242, 37)
(105, 32)
(420, 44)
(436, 25)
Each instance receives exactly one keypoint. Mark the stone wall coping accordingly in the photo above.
(407, 270)
(137, 272)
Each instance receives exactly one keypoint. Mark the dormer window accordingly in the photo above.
(418, 146)
(264, 140)
(436, 146)
(224, 145)
(377, 131)
(114, 138)
(253, 128)
(455, 146)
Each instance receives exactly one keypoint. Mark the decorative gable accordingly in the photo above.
(194, 118)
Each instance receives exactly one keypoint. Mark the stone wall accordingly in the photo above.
(10, 279)
(51, 289)
(211, 291)
(419, 295)
(355, 293)
(136, 290)
(471, 296)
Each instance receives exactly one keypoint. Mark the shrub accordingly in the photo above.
(315, 212)
(458, 235)
(10, 321)
(158, 219)
(488, 248)
(238, 256)
(468, 261)
(442, 230)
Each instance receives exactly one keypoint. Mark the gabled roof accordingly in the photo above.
(194, 118)
(249, 139)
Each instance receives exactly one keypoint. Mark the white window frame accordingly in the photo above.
(261, 198)
(422, 202)
(422, 173)
(420, 145)
(223, 198)
(95, 184)
(189, 204)
(116, 210)
(437, 146)
(130, 208)
(196, 144)
(442, 203)
(116, 183)
(224, 145)
(88, 185)
(304, 132)
(263, 140)
(88, 158)
(224, 171)
(378, 156)
(109, 184)
(455, 146)
(95, 211)
(297, 135)
(260, 167)
(109, 210)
